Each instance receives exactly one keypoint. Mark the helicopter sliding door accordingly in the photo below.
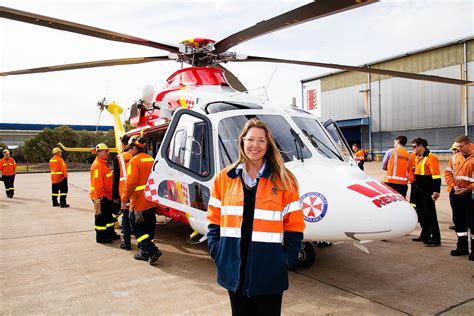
(182, 170)
(340, 140)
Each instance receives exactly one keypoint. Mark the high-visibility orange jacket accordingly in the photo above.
(397, 167)
(359, 155)
(101, 180)
(427, 166)
(460, 171)
(138, 170)
(8, 166)
(277, 232)
(411, 167)
(58, 168)
(120, 173)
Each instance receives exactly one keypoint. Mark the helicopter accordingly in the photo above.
(192, 125)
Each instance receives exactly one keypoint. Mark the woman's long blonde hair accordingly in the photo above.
(281, 177)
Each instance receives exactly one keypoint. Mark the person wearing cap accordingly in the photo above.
(101, 195)
(459, 176)
(120, 164)
(142, 211)
(59, 185)
(8, 169)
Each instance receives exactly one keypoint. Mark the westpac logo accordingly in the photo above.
(382, 193)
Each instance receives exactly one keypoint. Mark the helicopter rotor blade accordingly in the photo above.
(89, 64)
(370, 70)
(63, 25)
(308, 12)
(232, 79)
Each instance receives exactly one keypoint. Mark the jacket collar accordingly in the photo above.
(232, 173)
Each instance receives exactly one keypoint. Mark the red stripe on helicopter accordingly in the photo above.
(363, 190)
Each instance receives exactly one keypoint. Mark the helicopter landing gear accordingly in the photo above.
(307, 255)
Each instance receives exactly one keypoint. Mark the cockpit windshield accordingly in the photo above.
(287, 140)
(318, 138)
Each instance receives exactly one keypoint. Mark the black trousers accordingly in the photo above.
(261, 305)
(400, 188)
(8, 182)
(425, 207)
(104, 223)
(144, 230)
(463, 212)
(59, 189)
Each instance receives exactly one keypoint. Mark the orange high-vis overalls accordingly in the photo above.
(460, 171)
(58, 168)
(138, 170)
(411, 167)
(8, 166)
(397, 167)
(101, 180)
(359, 155)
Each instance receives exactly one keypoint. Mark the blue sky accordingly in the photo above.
(355, 37)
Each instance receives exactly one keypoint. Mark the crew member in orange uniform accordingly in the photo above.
(58, 178)
(101, 195)
(142, 211)
(255, 224)
(8, 169)
(120, 176)
(396, 163)
(459, 176)
(425, 191)
(359, 156)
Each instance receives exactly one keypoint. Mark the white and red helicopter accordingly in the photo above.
(192, 127)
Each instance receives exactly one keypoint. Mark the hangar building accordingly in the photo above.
(373, 109)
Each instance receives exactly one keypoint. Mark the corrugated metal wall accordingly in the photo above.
(401, 106)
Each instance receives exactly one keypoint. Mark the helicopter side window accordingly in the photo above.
(189, 147)
(229, 130)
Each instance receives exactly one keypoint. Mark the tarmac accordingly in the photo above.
(50, 264)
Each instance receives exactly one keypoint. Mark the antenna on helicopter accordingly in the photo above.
(269, 81)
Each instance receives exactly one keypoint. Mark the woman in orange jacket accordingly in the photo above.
(255, 224)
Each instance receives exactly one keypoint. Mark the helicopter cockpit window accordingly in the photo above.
(230, 128)
(189, 146)
(318, 138)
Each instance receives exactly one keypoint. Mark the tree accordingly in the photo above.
(38, 148)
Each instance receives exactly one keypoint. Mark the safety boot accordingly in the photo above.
(471, 256)
(141, 256)
(55, 202)
(154, 257)
(462, 247)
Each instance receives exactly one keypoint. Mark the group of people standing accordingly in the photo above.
(421, 169)
(121, 191)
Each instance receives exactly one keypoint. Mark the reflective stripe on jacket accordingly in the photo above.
(397, 167)
(411, 167)
(277, 232)
(58, 169)
(427, 170)
(138, 170)
(101, 180)
(8, 166)
(123, 160)
(460, 171)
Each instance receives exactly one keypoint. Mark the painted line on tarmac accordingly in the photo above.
(454, 306)
(353, 293)
(53, 234)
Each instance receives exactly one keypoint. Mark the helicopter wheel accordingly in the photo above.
(307, 255)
